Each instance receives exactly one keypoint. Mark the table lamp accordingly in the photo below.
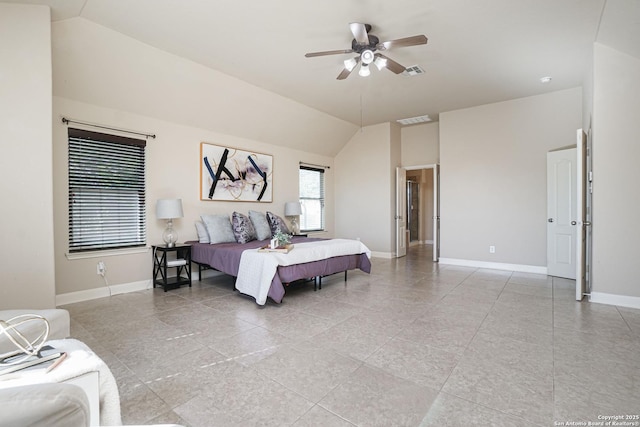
(169, 209)
(293, 210)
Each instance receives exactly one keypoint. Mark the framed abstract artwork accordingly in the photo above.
(229, 174)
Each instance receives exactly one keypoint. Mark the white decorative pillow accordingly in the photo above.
(201, 229)
(260, 224)
(277, 224)
(219, 228)
(242, 228)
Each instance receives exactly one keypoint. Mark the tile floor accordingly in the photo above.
(412, 344)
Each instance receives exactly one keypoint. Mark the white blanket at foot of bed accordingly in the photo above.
(257, 269)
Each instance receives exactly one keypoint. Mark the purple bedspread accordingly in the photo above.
(225, 257)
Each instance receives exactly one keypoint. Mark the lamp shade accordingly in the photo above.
(169, 208)
(292, 209)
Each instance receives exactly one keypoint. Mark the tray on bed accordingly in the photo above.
(281, 249)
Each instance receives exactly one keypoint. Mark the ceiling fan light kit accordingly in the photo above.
(380, 62)
(366, 56)
(366, 45)
(350, 64)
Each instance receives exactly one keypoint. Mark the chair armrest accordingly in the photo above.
(44, 405)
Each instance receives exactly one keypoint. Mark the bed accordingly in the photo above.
(226, 258)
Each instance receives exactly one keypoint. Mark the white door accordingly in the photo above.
(581, 210)
(561, 213)
(436, 213)
(401, 212)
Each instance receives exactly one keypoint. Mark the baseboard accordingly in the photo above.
(521, 268)
(89, 294)
(428, 242)
(614, 299)
(387, 255)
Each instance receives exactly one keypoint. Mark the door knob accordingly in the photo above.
(573, 223)
(550, 220)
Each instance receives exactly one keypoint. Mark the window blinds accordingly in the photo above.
(106, 191)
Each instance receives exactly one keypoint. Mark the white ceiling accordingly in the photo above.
(479, 51)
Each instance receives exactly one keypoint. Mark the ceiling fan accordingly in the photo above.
(366, 46)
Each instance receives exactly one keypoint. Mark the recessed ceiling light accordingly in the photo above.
(414, 120)
(546, 79)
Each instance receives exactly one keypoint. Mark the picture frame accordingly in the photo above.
(235, 175)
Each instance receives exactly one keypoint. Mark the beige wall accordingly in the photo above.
(363, 188)
(493, 186)
(395, 161)
(26, 254)
(616, 150)
(421, 144)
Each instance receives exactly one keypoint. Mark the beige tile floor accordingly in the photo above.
(412, 344)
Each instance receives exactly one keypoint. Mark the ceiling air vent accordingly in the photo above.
(414, 120)
(413, 70)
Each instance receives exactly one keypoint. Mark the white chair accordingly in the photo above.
(46, 405)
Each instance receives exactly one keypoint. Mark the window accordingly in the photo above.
(312, 199)
(106, 191)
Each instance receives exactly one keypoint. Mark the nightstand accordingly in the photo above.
(162, 264)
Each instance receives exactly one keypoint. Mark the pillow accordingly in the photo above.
(219, 228)
(242, 228)
(203, 236)
(277, 224)
(260, 224)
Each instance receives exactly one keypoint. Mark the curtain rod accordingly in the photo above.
(311, 164)
(147, 135)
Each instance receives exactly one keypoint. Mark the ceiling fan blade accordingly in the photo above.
(392, 65)
(328, 52)
(359, 32)
(404, 42)
(345, 73)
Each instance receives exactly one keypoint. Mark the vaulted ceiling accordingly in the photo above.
(479, 51)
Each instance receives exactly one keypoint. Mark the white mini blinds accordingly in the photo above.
(106, 191)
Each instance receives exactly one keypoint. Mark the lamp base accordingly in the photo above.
(170, 236)
(295, 229)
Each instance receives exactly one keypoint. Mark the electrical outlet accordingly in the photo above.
(100, 269)
(492, 249)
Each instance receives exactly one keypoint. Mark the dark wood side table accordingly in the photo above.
(161, 264)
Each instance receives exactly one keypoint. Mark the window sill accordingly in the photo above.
(310, 232)
(106, 253)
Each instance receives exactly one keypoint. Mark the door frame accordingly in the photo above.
(401, 212)
(582, 262)
(435, 167)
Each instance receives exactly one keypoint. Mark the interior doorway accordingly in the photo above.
(422, 218)
(414, 201)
